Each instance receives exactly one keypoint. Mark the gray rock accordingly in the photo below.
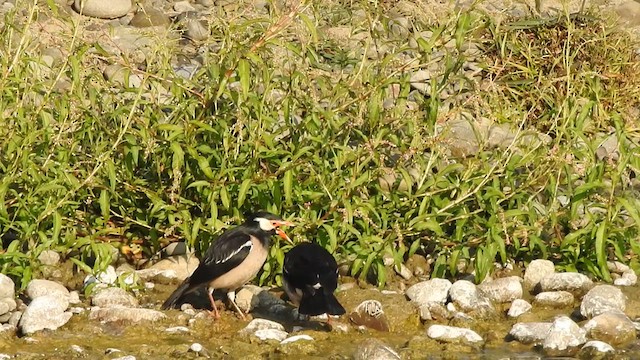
(7, 287)
(374, 349)
(602, 298)
(518, 307)
(183, 265)
(554, 299)
(196, 30)
(612, 327)
(45, 312)
(15, 318)
(629, 12)
(183, 6)
(453, 334)
(421, 80)
(74, 297)
(205, 3)
(537, 270)
(102, 9)
(430, 291)
(400, 26)
(595, 350)
(175, 248)
(149, 16)
(608, 149)
(113, 296)
(564, 338)
(530, 333)
(470, 299)
(125, 314)
(7, 328)
(40, 287)
(403, 271)
(575, 283)
(260, 324)
(503, 290)
(7, 305)
(49, 257)
(296, 338)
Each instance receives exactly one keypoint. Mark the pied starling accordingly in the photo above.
(232, 260)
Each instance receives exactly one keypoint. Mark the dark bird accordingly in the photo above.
(232, 260)
(310, 276)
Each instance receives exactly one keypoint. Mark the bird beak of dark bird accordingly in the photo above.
(281, 233)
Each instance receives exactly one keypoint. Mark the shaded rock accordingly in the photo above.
(183, 265)
(612, 327)
(453, 334)
(149, 16)
(608, 149)
(595, 350)
(554, 299)
(195, 29)
(374, 349)
(120, 75)
(113, 296)
(126, 314)
(463, 136)
(175, 248)
(41, 287)
(530, 333)
(518, 307)
(575, 283)
(45, 312)
(49, 257)
(564, 337)
(537, 270)
(469, 298)
(370, 314)
(7, 287)
(503, 290)
(602, 298)
(421, 80)
(403, 271)
(15, 318)
(102, 9)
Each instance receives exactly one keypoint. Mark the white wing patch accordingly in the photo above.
(317, 286)
(247, 244)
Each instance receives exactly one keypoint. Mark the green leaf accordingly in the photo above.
(242, 193)
(601, 250)
(244, 71)
(105, 205)
(57, 226)
(288, 185)
(224, 197)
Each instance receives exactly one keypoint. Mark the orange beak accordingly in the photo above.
(281, 233)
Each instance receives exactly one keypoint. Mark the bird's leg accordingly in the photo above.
(232, 298)
(216, 314)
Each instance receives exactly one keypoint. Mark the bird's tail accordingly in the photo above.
(174, 299)
(321, 303)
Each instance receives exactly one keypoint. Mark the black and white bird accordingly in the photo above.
(310, 276)
(232, 260)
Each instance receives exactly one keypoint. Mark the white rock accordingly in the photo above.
(602, 298)
(531, 332)
(128, 357)
(161, 276)
(177, 329)
(536, 270)
(41, 287)
(612, 327)
(598, 346)
(45, 312)
(629, 278)
(7, 287)
(575, 283)
(564, 337)
(503, 289)
(554, 298)
(49, 257)
(430, 291)
(183, 265)
(108, 276)
(469, 298)
(271, 334)
(103, 9)
(7, 305)
(196, 348)
(296, 338)
(374, 349)
(453, 334)
(518, 307)
(125, 314)
(261, 324)
(183, 6)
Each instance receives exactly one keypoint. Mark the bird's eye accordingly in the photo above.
(275, 224)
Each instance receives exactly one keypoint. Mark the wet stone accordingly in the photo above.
(430, 291)
(595, 350)
(530, 333)
(374, 349)
(564, 338)
(612, 327)
(370, 314)
(470, 299)
(518, 307)
(453, 334)
(113, 296)
(126, 314)
(45, 312)
(149, 16)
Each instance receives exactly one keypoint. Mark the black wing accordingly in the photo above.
(227, 252)
(308, 264)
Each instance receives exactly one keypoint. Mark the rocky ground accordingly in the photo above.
(535, 312)
(538, 313)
